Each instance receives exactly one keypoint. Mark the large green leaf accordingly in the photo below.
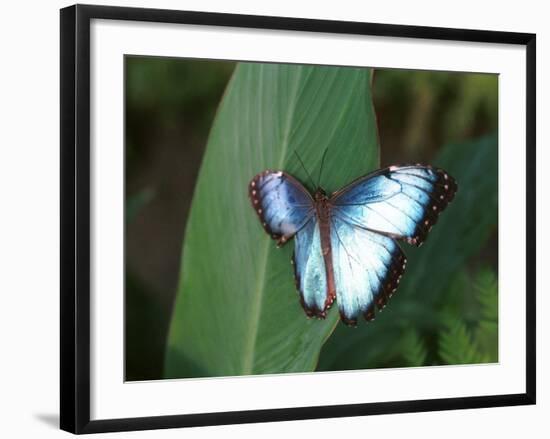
(237, 310)
(461, 232)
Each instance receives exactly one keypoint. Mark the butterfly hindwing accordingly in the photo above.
(281, 202)
(367, 269)
(310, 271)
(403, 202)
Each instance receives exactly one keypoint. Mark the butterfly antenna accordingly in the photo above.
(321, 169)
(308, 174)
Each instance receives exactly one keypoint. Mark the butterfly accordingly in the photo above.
(346, 243)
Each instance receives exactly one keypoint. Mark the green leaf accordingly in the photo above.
(470, 332)
(486, 332)
(413, 348)
(460, 233)
(456, 345)
(237, 310)
(487, 295)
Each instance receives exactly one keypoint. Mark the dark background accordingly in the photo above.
(170, 106)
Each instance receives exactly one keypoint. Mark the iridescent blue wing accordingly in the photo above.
(402, 202)
(367, 269)
(283, 205)
(286, 209)
(310, 272)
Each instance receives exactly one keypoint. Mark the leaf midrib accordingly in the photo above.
(248, 362)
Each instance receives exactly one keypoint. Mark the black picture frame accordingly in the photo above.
(75, 217)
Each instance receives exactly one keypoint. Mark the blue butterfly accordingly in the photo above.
(346, 243)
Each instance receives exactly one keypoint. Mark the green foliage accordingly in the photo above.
(459, 344)
(456, 345)
(427, 297)
(168, 97)
(161, 85)
(237, 310)
(413, 349)
(486, 287)
(421, 110)
(486, 332)
(170, 105)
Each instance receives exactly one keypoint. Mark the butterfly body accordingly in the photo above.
(322, 209)
(346, 243)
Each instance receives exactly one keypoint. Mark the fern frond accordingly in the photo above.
(456, 345)
(486, 287)
(413, 349)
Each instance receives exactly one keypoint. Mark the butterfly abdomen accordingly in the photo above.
(322, 208)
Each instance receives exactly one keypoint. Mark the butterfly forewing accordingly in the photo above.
(281, 202)
(403, 202)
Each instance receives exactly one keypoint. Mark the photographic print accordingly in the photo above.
(289, 214)
(378, 190)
